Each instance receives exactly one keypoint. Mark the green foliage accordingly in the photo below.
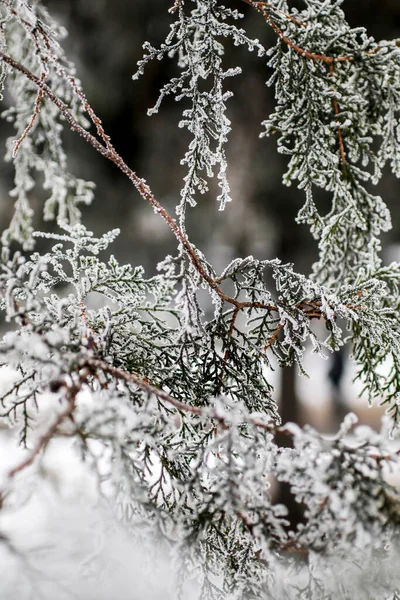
(181, 407)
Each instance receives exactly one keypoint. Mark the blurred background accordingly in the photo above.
(105, 42)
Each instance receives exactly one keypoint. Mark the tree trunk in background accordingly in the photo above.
(335, 376)
(289, 404)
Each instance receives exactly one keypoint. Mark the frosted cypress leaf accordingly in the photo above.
(172, 408)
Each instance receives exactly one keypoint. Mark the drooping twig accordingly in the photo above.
(45, 438)
(176, 6)
(273, 337)
(109, 152)
(147, 387)
(141, 186)
(71, 392)
(226, 354)
(281, 12)
(262, 7)
(36, 110)
(16, 14)
(339, 131)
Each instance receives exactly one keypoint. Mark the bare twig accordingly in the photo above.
(71, 392)
(281, 12)
(147, 387)
(273, 337)
(262, 8)
(108, 151)
(226, 354)
(143, 383)
(141, 186)
(16, 14)
(339, 131)
(36, 110)
(176, 6)
(45, 438)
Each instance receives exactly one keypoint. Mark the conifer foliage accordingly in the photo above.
(182, 406)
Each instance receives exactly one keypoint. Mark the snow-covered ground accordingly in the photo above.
(59, 538)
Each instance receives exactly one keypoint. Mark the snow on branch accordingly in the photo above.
(174, 411)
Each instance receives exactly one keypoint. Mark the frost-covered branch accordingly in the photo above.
(174, 411)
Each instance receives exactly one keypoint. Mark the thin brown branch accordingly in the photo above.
(283, 13)
(108, 151)
(294, 548)
(89, 334)
(262, 8)
(339, 131)
(36, 110)
(46, 437)
(176, 6)
(142, 383)
(273, 337)
(111, 154)
(16, 14)
(36, 33)
(147, 387)
(226, 354)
